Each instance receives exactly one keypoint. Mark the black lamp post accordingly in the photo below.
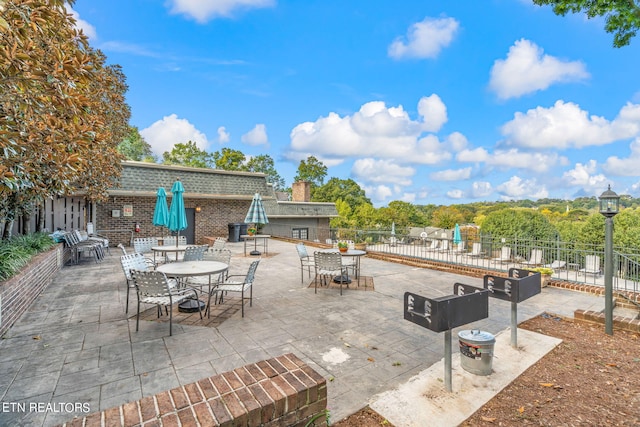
(609, 207)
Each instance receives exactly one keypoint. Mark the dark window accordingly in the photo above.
(300, 233)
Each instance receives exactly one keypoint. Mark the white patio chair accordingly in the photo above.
(153, 288)
(218, 243)
(535, 259)
(135, 261)
(239, 283)
(444, 246)
(305, 260)
(591, 265)
(194, 253)
(505, 255)
(557, 265)
(328, 264)
(476, 250)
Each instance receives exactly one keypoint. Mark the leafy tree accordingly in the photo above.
(62, 110)
(520, 224)
(346, 190)
(134, 147)
(447, 217)
(187, 154)
(313, 171)
(265, 164)
(229, 159)
(622, 17)
(404, 214)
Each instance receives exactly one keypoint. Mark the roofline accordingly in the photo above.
(186, 195)
(189, 168)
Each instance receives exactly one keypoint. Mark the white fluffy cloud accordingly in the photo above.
(451, 175)
(516, 188)
(377, 193)
(377, 131)
(377, 171)
(481, 189)
(527, 69)
(204, 10)
(624, 167)
(256, 136)
(586, 177)
(455, 194)
(565, 125)
(434, 112)
(534, 161)
(223, 135)
(164, 134)
(88, 29)
(424, 39)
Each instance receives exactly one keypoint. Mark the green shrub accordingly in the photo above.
(16, 252)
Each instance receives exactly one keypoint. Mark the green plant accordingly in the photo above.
(543, 270)
(343, 245)
(16, 252)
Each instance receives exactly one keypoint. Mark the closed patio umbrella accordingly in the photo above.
(177, 214)
(161, 212)
(256, 215)
(457, 238)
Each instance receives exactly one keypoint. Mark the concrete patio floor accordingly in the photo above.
(76, 345)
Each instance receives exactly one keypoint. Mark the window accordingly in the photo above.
(300, 233)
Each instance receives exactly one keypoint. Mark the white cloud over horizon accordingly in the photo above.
(566, 125)
(424, 39)
(164, 134)
(223, 135)
(204, 10)
(527, 69)
(256, 136)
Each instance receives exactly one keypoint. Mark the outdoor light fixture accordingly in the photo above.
(198, 209)
(609, 205)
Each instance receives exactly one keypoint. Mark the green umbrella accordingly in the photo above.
(177, 214)
(256, 215)
(457, 238)
(161, 212)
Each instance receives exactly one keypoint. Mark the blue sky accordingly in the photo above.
(422, 101)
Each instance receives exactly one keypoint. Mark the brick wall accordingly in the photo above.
(282, 391)
(22, 289)
(213, 219)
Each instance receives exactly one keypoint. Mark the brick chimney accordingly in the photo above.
(301, 191)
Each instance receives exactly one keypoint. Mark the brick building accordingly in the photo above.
(213, 200)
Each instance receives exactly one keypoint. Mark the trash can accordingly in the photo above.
(243, 230)
(476, 351)
(234, 232)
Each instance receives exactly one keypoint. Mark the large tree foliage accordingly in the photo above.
(229, 159)
(134, 147)
(265, 164)
(187, 154)
(622, 17)
(447, 217)
(518, 224)
(311, 170)
(62, 110)
(346, 190)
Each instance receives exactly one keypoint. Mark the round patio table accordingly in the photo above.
(190, 269)
(168, 248)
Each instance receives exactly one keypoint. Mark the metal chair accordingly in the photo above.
(194, 253)
(328, 264)
(218, 243)
(231, 284)
(153, 288)
(223, 256)
(131, 262)
(305, 261)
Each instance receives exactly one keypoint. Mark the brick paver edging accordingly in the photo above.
(283, 391)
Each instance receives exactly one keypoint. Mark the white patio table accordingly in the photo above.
(190, 269)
